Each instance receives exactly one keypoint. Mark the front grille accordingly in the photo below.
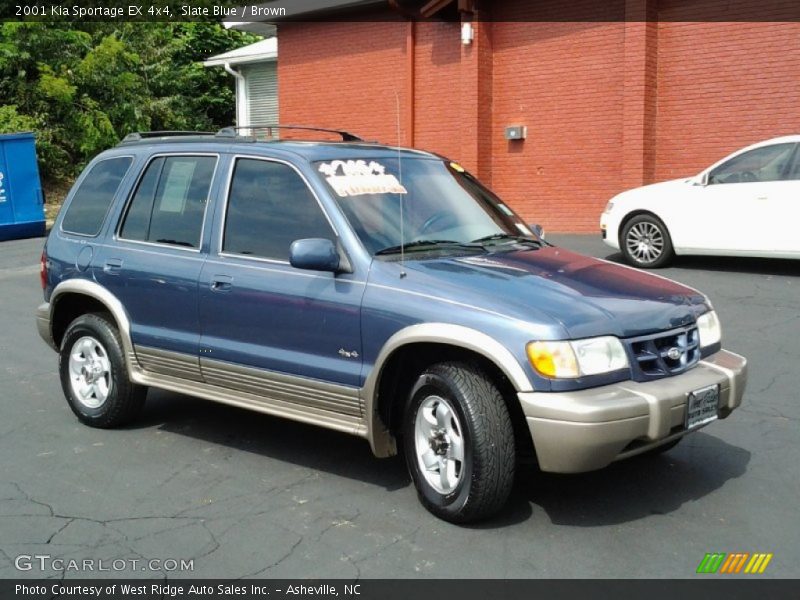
(663, 354)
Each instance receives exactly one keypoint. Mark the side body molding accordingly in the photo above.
(369, 425)
(381, 440)
(98, 292)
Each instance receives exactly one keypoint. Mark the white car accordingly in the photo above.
(747, 204)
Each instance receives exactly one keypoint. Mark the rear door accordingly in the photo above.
(156, 257)
(267, 326)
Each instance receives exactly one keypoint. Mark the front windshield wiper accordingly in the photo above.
(508, 236)
(421, 243)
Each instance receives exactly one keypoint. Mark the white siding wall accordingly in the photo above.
(262, 92)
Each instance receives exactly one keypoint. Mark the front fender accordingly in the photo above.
(380, 438)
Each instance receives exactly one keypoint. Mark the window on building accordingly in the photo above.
(768, 163)
(169, 204)
(269, 207)
(89, 205)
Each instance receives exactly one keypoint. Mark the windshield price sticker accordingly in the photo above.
(357, 177)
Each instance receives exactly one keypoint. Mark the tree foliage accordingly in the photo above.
(82, 87)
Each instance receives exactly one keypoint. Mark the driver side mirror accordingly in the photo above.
(702, 179)
(314, 254)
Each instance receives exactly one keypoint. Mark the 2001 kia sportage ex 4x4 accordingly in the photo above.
(378, 291)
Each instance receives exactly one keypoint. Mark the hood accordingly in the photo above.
(585, 296)
(656, 189)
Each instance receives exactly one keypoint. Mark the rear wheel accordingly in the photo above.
(459, 443)
(94, 376)
(645, 242)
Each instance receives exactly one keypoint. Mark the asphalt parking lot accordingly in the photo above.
(244, 494)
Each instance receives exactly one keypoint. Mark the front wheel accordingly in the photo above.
(459, 443)
(645, 242)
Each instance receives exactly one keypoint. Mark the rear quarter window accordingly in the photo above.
(90, 203)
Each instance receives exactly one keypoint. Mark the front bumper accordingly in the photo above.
(609, 230)
(589, 429)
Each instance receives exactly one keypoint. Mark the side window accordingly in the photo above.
(269, 207)
(89, 205)
(768, 163)
(794, 172)
(169, 204)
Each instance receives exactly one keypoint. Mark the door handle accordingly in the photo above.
(762, 198)
(112, 266)
(221, 283)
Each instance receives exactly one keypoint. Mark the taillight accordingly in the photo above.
(43, 269)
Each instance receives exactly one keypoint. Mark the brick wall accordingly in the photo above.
(608, 104)
(343, 76)
(723, 86)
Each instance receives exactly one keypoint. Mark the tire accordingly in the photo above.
(94, 376)
(452, 403)
(645, 242)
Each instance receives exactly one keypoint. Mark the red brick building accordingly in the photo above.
(614, 94)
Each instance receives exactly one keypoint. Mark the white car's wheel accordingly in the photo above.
(645, 242)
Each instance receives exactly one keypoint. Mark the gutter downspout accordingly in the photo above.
(410, 80)
(242, 104)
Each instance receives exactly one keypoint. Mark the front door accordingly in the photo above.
(736, 211)
(267, 326)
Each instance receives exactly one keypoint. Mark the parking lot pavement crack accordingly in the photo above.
(280, 560)
(338, 523)
(28, 498)
(59, 530)
(349, 560)
(771, 382)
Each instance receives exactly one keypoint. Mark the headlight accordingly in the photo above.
(709, 328)
(570, 359)
(609, 206)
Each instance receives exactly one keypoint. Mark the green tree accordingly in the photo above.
(82, 87)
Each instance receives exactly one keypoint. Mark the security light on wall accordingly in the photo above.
(467, 33)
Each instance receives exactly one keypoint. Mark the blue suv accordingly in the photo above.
(378, 291)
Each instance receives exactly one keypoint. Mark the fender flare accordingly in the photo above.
(381, 440)
(94, 290)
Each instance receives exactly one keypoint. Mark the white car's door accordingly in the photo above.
(782, 212)
(738, 208)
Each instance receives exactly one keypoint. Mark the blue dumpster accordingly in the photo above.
(21, 200)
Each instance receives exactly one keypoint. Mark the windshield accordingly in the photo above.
(441, 203)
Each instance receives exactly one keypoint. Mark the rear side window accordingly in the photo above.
(269, 207)
(89, 205)
(169, 204)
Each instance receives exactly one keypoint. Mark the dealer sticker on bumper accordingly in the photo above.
(702, 406)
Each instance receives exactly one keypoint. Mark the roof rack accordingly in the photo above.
(233, 131)
(141, 135)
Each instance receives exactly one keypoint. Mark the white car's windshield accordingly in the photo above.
(441, 204)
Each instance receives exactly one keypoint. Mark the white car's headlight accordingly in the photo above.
(576, 358)
(609, 206)
(709, 328)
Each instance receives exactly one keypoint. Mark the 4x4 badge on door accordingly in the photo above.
(348, 354)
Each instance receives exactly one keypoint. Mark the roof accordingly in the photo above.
(310, 150)
(259, 52)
